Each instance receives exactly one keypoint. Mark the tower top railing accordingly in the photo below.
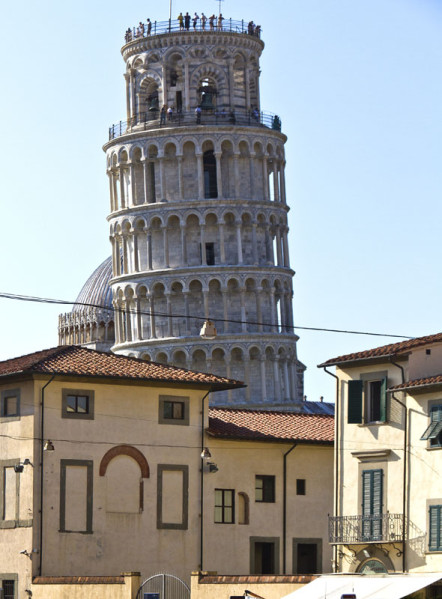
(154, 120)
(210, 25)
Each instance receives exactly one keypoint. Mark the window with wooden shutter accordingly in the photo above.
(372, 492)
(433, 432)
(354, 411)
(435, 533)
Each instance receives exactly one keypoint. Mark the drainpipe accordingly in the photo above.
(202, 484)
(336, 506)
(404, 482)
(284, 508)
(42, 440)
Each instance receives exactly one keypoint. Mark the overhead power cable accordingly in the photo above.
(46, 300)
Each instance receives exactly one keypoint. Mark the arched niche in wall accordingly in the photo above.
(122, 466)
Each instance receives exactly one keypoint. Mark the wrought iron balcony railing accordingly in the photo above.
(354, 530)
(153, 120)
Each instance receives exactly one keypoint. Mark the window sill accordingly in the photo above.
(375, 423)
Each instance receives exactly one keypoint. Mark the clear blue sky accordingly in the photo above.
(358, 87)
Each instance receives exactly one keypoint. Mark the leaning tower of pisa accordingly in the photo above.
(198, 213)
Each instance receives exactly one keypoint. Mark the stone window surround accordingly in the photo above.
(313, 541)
(17, 522)
(183, 525)
(4, 395)
(89, 464)
(174, 421)
(74, 415)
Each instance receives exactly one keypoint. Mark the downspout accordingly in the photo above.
(202, 484)
(404, 482)
(42, 428)
(284, 508)
(336, 506)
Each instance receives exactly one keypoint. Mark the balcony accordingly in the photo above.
(143, 30)
(360, 530)
(218, 118)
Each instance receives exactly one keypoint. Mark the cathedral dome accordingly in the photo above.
(91, 321)
(96, 290)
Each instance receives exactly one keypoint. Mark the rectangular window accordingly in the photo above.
(225, 506)
(300, 486)
(10, 403)
(372, 504)
(435, 536)
(173, 409)
(8, 588)
(264, 489)
(367, 399)
(433, 433)
(76, 493)
(77, 404)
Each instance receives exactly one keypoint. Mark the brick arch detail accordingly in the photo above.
(128, 450)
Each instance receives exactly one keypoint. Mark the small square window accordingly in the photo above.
(173, 410)
(300, 486)
(10, 403)
(224, 506)
(77, 404)
(264, 489)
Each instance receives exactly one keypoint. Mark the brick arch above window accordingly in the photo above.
(127, 450)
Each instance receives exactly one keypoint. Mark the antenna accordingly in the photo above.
(219, 5)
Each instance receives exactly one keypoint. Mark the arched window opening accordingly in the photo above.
(207, 95)
(152, 101)
(210, 185)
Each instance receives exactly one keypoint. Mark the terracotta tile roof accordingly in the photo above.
(78, 580)
(262, 425)
(257, 578)
(416, 383)
(72, 360)
(393, 349)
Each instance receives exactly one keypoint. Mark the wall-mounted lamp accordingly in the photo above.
(212, 467)
(365, 553)
(25, 552)
(18, 468)
(48, 446)
(205, 454)
(208, 330)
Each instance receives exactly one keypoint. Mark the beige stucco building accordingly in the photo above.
(388, 489)
(101, 474)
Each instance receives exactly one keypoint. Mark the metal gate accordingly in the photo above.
(163, 586)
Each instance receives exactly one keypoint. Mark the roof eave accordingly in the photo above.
(364, 361)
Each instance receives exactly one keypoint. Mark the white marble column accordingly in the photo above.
(186, 86)
(186, 311)
(242, 292)
(278, 246)
(162, 179)
(263, 378)
(146, 180)
(131, 185)
(275, 181)
(265, 175)
(203, 245)
(285, 245)
(125, 256)
(165, 247)
(222, 248)
(282, 182)
(139, 320)
(219, 178)
(183, 245)
(169, 315)
(200, 166)
(239, 242)
(236, 173)
(276, 381)
(148, 249)
(122, 191)
(259, 308)
(225, 295)
(254, 245)
(151, 304)
(180, 178)
(136, 252)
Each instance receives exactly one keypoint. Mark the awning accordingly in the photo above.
(377, 586)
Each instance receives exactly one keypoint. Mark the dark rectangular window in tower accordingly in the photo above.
(152, 182)
(179, 101)
(210, 254)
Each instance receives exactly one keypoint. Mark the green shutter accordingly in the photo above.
(354, 402)
(383, 401)
(435, 528)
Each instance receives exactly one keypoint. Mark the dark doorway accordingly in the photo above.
(307, 558)
(210, 186)
(264, 558)
(179, 101)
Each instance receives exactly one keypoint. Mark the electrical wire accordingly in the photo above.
(279, 326)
